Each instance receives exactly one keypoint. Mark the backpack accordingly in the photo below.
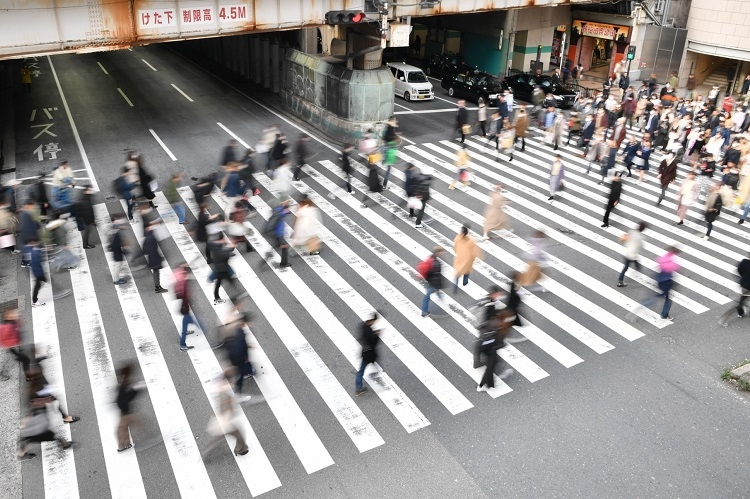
(425, 266)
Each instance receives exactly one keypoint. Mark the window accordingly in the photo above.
(460, 78)
(394, 71)
(524, 79)
(470, 81)
(417, 77)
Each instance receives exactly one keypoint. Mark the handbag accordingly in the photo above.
(638, 161)
(466, 129)
(414, 203)
(7, 240)
(561, 186)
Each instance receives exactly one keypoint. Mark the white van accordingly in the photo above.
(411, 82)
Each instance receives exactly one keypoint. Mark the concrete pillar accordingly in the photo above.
(308, 40)
(257, 60)
(275, 68)
(266, 62)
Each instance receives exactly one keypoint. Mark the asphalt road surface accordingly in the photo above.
(598, 406)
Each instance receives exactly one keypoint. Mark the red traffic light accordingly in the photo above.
(345, 17)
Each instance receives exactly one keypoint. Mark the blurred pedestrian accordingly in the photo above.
(279, 231)
(462, 167)
(373, 180)
(124, 189)
(127, 391)
(462, 120)
(229, 153)
(613, 199)
(221, 250)
(687, 195)
(368, 339)
(466, 251)
(237, 228)
(494, 214)
(282, 181)
(667, 267)
(37, 257)
(556, 177)
(10, 341)
(482, 117)
(307, 227)
(28, 229)
(119, 248)
(227, 418)
(231, 186)
(183, 283)
(422, 183)
(390, 148)
(536, 257)
(508, 139)
(145, 180)
(237, 352)
(346, 165)
(521, 125)
(302, 152)
(433, 277)
(713, 208)
(153, 255)
(633, 242)
(173, 197)
(493, 339)
(667, 174)
(84, 213)
(37, 427)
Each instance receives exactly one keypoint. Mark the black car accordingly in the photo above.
(474, 85)
(523, 84)
(445, 64)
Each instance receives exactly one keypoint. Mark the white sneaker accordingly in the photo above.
(481, 388)
(516, 339)
(506, 373)
(243, 398)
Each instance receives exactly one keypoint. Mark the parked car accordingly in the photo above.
(446, 64)
(474, 85)
(522, 85)
(411, 82)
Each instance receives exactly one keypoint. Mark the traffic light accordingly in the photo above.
(631, 52)
(345, 17)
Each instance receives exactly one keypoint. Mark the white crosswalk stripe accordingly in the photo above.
(583, 315)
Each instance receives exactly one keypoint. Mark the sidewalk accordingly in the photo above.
(11, 483)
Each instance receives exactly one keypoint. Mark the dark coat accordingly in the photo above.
(629, 152)
(435, 276)
(151, 251)
(346, 162)
(228, 155)
(220, 255)
(145, 181)
(461, 117)
(369, 341)
(713, 211)
(85, 209)
(117, 247)
(28, 228)
(668, 172)
(614, 194)
(744, 270)
(373, 180)
(588, 131)
(409, 181)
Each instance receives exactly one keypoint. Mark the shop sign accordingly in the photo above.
(600, 30)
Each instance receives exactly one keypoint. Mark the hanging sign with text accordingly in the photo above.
(600, 30)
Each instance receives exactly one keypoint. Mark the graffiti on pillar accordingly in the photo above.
(301, 85)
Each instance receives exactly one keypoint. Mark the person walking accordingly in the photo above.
(687, 195)
(667, 174)
(390, 149)
(119, 249)
(713, 208)
(613, 199)
(640, 159)
(173, 197)
(279, 231)
(608, 159)
(743, 269)
(667, 267)
(556, 177)
(124, 189)
(302, 152)
(494, 214)
(37, 426)
(231, 187)
(36, 258)
(422, 192)
(127, 391)
(462, 119)
(84, 210)
(493, 339)
(237, 352)
(433, 278)
(221, 250)
(508, 140)
(466, 251)
(587, 133)
(369, 339)
(633, 242)
(28, 230)
(373, 180)
(227, 418)
(462, 167)
(307, 227)
(145, 180)
(346, 165)
(482, 117)
(229, 153)
(411, 174)
(183, 282)
(521, 125)
(153, 255)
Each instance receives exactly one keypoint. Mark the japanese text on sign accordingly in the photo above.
(599, 30)
(197, 16)
(157, 18)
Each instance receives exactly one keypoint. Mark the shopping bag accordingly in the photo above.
(7, 241)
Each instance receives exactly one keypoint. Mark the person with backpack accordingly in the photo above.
(369, 339)
(466, 251)
(431, 270)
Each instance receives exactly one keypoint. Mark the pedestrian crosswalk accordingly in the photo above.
(306, 317)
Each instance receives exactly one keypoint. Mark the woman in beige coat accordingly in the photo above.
(494, 216)
(466, 250)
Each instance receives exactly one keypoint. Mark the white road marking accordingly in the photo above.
(295, 425)
(455, 103)
(77, 137)
(183, 93)
(59, 467)
(125, 97)
(163, 145)
(123, 472)
(234, 136)
(149, 65)
(33, 114)
(255, 467)
(399, 105)
(397, 402)
(47, 113)
(100, 65)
